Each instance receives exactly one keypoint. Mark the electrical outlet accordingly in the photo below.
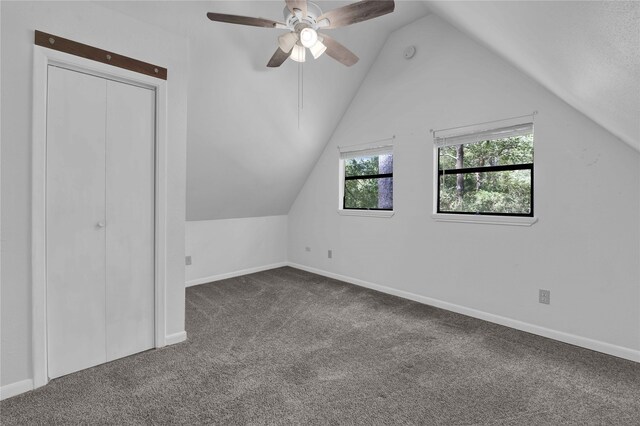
(187, 260)
(307, 249)
(330, 254)
(544, 296)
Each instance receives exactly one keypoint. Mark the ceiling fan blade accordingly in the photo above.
(356, 12)
(297, 4)
(278, 58)
(245, 20)
(338, 51)
(287, 41)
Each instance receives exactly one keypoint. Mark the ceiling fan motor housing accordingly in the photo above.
(297, 22)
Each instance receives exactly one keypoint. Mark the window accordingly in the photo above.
(367, 179)
(489, 172)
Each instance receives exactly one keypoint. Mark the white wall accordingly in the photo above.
(585, 247)
(94, 25)
(230, 247)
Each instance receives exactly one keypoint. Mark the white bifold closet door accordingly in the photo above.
(100, 220)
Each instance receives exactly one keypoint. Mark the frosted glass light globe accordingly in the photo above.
(317, 49)
(298, 53)
(308, 37)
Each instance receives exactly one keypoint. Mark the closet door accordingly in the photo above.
(130, 219)
(75, 230)
(100, 220)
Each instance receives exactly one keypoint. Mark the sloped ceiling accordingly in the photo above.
(246, 154)
(587, 53)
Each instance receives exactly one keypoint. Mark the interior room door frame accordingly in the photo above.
(44, 57)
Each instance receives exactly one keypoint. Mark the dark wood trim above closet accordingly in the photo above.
(93, 53)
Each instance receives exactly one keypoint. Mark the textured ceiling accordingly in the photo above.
(587, 53)
(246, 155)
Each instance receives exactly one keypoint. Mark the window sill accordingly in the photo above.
(484, 219)
(367, 213)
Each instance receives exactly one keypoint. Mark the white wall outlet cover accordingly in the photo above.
(409, 52)
(544, 296)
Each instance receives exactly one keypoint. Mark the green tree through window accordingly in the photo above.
(487, 177)
(368, 182)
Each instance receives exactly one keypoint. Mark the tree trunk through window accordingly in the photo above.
(385, 186)
(460, 177)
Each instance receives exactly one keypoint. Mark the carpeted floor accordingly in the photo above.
(288, 347)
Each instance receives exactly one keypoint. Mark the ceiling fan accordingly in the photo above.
(303, 19)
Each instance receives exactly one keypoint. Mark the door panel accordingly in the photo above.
(75, 205)
(100, 220)
(130, 219)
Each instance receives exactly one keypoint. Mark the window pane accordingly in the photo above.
(361, 166)
(376, 194)
(499, 152)
(364, 166)
(487, 192)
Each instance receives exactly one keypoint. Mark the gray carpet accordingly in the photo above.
(288, 347)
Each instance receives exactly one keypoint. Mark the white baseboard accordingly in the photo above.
(595, 345)
(13, 389)
(233, 274)
(172, 339)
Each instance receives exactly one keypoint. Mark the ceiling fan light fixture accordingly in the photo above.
(298, 53)
(308, 37)
(317, 49)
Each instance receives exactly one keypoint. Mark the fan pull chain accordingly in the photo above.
(299, 65)
(300, 90)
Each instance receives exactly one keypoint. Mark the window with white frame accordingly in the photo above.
(366, 179)
(487, 172)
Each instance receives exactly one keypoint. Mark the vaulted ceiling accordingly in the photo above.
(247, 155)
(250, 146)
(585, 52)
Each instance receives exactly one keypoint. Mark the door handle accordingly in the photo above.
(101, 224)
